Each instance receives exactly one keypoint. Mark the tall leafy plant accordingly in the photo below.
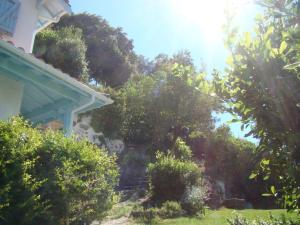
(262, 90)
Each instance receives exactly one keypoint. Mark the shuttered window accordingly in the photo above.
(9, 10)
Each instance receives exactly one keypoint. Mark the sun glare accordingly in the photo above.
(208, 16)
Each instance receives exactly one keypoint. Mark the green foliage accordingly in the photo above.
(147, 107)
(231, 160)
(109, 51)
(18, 188)
(193, 200)
(262, 89)
(170, 209)
(181, 151)
(283, 220)
(47, 178)
(145, 216)
(64, 49)
(183, 172)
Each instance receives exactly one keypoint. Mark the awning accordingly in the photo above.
(49, 94)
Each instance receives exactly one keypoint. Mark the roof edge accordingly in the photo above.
(55, 72)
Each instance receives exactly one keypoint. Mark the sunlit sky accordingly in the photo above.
(168, 26)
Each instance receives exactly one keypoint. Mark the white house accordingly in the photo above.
(28, 86)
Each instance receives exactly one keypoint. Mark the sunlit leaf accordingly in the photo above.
(283, 47)
(265, 161)
(252, 176)
(267, 195)
(273, 191)
(269, 32)
(292, 66)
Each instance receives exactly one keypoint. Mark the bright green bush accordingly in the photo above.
(181, 151)
(169, 177)
(46, 178)
(170, 209)
(19, 201)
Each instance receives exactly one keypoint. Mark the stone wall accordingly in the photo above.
(83, 129)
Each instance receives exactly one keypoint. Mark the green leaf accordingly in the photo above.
(292, 66)
(269, 32)
(252, 176)
(265, 161)
(267, 195)
(283, 47)
(273, 191)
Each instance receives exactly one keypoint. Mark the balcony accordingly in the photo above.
(50, 11)
(8, 15)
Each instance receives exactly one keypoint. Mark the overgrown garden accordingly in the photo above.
(164, 112)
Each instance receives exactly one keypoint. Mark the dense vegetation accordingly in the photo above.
(64, 48)
(261, 87)
(165, 106)
(46, 178)
(107, 50)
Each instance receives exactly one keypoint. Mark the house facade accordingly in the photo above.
(28, 86)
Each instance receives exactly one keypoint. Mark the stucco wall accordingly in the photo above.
(11, 93)
(26, 25)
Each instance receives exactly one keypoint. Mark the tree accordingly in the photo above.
(64, 49)
(109, 52)
(263, 91)
(149, 106)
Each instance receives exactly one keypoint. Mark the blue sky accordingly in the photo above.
(168, 26)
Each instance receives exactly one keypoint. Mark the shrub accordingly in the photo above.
(19, 202)
(170, 209)
(169, 177)
(238, 220)
(64, 49)
(146, 216)
(193, 200)
(181, 151)
(283, 220)
(46, 178)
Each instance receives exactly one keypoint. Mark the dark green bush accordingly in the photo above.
(169, 177)
(64, 49)
(170, 209)
(46, 178)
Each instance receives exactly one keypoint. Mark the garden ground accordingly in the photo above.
(120, 215)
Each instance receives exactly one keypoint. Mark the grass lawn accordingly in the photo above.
(121, 209)
(217, 217)
(220, 217)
